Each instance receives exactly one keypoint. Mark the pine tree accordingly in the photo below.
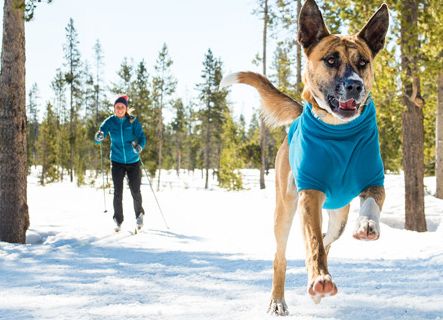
(125, 74)
(99, 86)
(229, 177)
(179, 125)
(163, 86)
(141, 99)
(212, 112)
(251, 148)
(282, 68)
(47, 147)
(194, 143)
(73, 77)
(220, 111)
(389, 109)
(59, 85)
(169, 156)
(84, 154)
(89, 94)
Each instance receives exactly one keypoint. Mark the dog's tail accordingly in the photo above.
(277, 108)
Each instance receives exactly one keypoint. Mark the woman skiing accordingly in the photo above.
(127, 141)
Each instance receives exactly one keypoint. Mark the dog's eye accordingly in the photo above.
(331, 61)
(362, 63)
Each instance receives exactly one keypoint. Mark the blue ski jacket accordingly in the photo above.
(339, 160)
(123, 133)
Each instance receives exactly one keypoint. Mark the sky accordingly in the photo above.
(137, 29)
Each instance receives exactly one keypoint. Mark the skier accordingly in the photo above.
(127, 141)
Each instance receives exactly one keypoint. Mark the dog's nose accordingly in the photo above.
(353, 88)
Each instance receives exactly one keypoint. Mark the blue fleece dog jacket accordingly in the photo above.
(339, 160)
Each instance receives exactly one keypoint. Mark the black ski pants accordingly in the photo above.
(134, 173)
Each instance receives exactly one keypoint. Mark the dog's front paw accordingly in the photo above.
(278, 307)
(320, 287)
(366, 229)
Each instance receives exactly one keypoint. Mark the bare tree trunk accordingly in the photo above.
(263, 131)
(413, 162)
(413, 130)
(14, 217)
(439, 139)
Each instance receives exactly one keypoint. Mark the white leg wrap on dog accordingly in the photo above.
(370, 209)
(369, 216)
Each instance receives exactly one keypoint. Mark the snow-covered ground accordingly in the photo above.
(214, 262)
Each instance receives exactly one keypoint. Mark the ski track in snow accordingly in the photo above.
(214, 263)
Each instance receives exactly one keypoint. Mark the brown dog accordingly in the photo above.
(338, 78)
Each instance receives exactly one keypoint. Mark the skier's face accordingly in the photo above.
(120, 110)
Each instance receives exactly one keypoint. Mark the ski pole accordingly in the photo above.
(103, 177)
(155, 197)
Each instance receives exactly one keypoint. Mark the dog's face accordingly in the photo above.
(338, 76)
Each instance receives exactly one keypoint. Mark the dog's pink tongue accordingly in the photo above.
(348, 105)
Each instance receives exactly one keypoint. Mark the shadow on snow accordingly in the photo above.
(93, 276)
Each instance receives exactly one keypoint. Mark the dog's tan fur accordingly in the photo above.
(279, 109)
(349, 47)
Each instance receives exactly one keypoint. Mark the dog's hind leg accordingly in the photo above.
(336, 226)
(286, 200)
(368, 222)
(320, 283)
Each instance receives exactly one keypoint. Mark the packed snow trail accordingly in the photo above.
(215, 262)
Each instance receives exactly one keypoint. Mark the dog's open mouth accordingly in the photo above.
(344, 109)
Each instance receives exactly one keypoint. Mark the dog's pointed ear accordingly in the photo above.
(311, 27)
(374, 32)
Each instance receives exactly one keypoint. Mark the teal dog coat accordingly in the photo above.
(338, 160)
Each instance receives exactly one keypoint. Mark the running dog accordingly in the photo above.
(331, 153)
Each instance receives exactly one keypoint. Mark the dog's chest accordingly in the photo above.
(341, 161)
